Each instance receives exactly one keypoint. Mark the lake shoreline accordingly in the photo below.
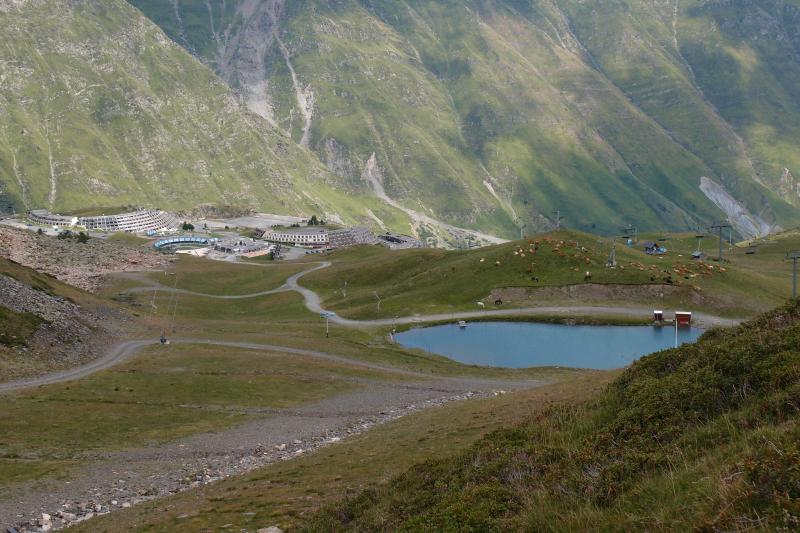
(525, 344)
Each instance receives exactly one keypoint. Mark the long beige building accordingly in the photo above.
(311, 236)
(138, 221)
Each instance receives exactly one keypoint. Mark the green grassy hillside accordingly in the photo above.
(438, 281)
(101, 109)
(15, 328)
(493, 114)
(288, 492)
(701, 437)
(484, 115)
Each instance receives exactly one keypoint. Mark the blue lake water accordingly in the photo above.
(527, 344)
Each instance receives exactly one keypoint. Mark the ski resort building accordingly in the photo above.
(343, 238)
(396, 241)
(313, 237)
(316, 237)
(46, 218)
(134, 222)
(244, 247)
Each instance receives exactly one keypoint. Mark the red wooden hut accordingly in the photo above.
(683, 318)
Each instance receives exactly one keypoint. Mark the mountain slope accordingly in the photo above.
(701, 437)
(495, 113)
(492, 115)
(100, 108)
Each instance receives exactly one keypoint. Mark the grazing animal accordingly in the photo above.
(481, 304)
(587, 276)
(535, 278)
(498, 302)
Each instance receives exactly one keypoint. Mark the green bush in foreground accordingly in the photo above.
(16, 328)
(701, 437)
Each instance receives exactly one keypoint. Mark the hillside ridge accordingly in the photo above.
(700, 437)
(494, 114)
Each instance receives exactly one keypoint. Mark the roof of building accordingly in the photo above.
(301, 231)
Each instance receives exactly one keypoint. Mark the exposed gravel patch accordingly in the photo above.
(80, 265)
(69, 334)
(122, 479)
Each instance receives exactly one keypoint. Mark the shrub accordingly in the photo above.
(727, 404)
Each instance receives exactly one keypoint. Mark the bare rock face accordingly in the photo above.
(241, 55)
(745, 222)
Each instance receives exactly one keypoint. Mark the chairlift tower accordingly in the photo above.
(793, 256)
(557, 215)
(699, 238)
(612, 257)
(719, 227)
(630, 230)
(378, 306)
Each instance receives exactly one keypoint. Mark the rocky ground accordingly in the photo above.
(119, 480)
(68, 335)
(82, 265)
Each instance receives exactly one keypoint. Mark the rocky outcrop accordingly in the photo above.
(23, 298)
(82, 265)
(745, 222)
(67, 336)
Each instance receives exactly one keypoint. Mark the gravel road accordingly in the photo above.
(313, 303)
(120, 479)
(113, 480)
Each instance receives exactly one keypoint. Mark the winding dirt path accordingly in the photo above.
(125, 350)
(114, 356)
(111, 478)
(313, 303)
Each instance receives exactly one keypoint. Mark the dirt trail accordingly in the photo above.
(112, 480)
(313, 303)
(125, 350)
(114, 356)
(132, 476)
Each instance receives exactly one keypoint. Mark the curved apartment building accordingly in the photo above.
(133, 222)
